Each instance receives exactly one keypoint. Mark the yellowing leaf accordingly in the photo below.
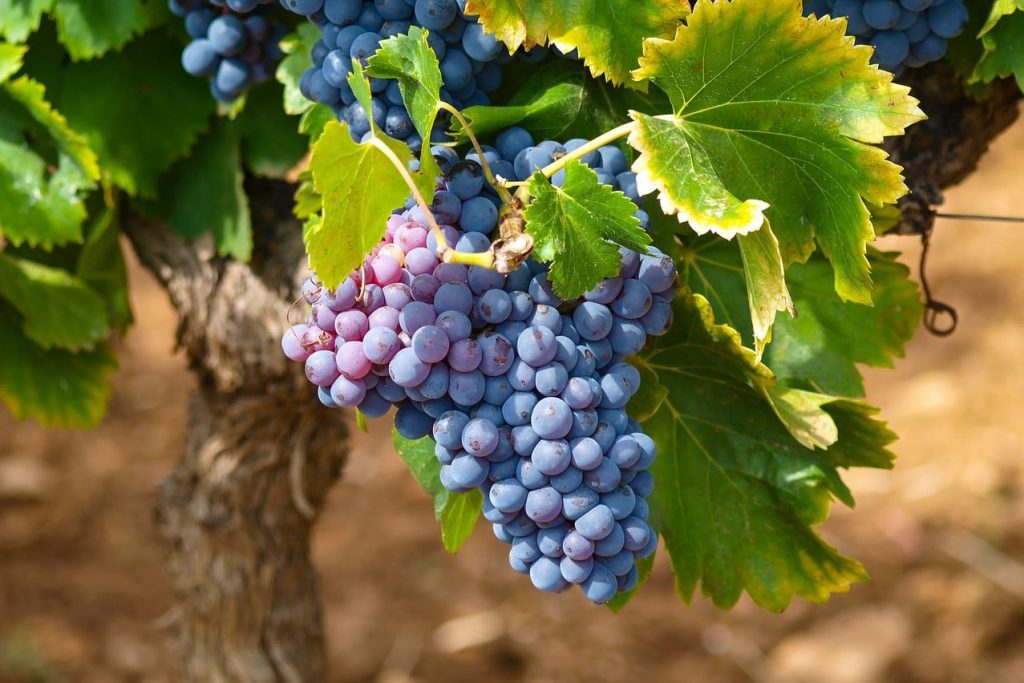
(360, 188)
(773, 113)
(607, 33)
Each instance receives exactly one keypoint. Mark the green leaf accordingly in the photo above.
(559, 101)
(297, 47)
(10, 60)
(579, 227)
(360, 188)
(1003, 40)
(20, 18)
(609, 34)
(45, 169)
(410, 60)
(271, 145)
(89, 28)
(32, 96)
(136, 112)
(57, 388)
(101, 266)
(821, 347)
(457, 512)
(735, 494)
(644, 568)
(772, 116)
(205, 194)
(59, 310)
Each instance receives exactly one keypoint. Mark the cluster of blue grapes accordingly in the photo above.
(904, 33)
(469, 57)
(523, 393)
(232, 52)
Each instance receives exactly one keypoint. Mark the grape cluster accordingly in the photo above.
(904, 33)
(232, 51)
(469, 58)
(523, 393)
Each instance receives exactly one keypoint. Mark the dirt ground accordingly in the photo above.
(83, 597)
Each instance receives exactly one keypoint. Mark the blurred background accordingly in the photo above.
(83, 597)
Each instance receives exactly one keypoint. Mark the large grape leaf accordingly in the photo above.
(821, 347)
(608, 34)
(772, 115)
(20, 18)
(579, 228)
(139, 114)
(735, 494)
(89, 28)
(59, 310)
(456, 512)
(560, 100)
(360, 188)
(45, 169)
(55, 387)
(1002, 36)
(204, 194)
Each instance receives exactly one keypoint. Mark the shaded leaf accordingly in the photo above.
(1002, 37)
(296, 47)
(90, 28)
(120, 106)
(100, 265)
(57, 388)
(821, 347)
(735, 494)
(58, 309)
(205, 194)
(456, 512)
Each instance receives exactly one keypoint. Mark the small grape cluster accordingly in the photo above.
(904, 33)
(523, 393)
(469, 58)
(232, 52)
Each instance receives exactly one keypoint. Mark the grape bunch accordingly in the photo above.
(469, 58)
(904, 33)
(232, 52)
(523, 393)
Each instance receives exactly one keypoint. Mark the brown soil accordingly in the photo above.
(83, 597)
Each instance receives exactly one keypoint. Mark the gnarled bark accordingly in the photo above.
(260, 457)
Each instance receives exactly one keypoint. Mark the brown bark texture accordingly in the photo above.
(260, 457)
(261, 454)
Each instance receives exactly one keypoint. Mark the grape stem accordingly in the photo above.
(523, 193)
(447, 254)
(442, 244)
(506, 197)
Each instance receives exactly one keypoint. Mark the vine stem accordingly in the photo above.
(592, 146)
(442, 244)
(506, 197)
